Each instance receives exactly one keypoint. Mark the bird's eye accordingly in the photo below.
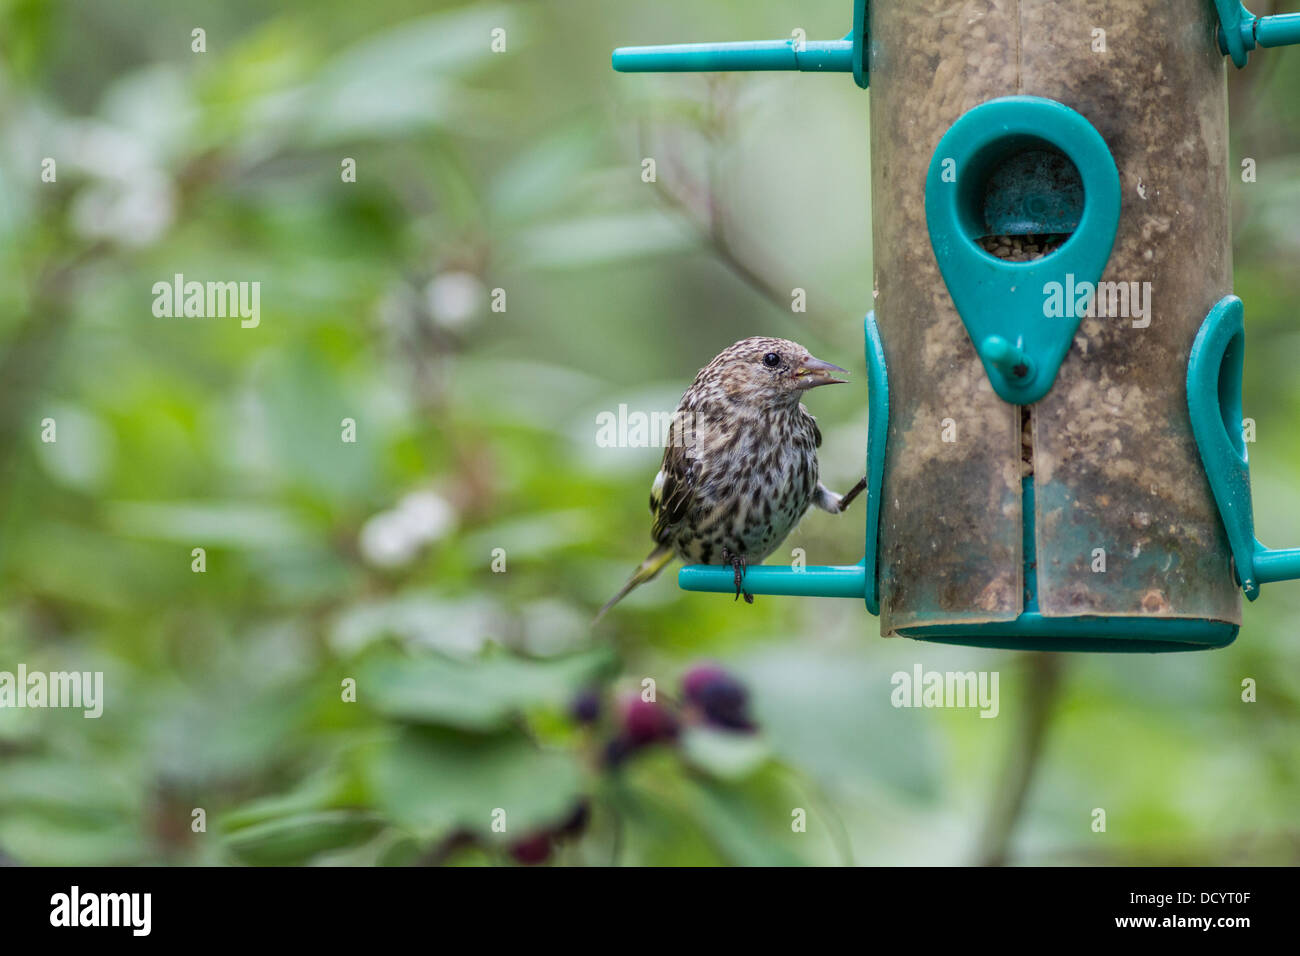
(771, 360)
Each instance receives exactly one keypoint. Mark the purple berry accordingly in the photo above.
(616, 751)
(585, 708)
(577, 821)
(645, 722)
(699, 677)
(720, 697)
(532, 850)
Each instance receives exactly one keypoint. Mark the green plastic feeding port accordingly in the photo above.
(1032, 192)
(1214, 402)
(1020, 165)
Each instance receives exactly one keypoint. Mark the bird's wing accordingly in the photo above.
(673, 489)
(817, 432)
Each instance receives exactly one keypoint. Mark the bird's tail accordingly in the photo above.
(647, 570)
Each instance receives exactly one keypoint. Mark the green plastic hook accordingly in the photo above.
(848, 55)
(1240, 31)
(1214, 401)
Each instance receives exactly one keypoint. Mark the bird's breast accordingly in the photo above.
(757, 478)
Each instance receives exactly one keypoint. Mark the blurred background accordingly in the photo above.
(448, 560)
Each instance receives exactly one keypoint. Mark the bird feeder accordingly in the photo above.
(1054, 449)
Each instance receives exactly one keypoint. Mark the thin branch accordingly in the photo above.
(712, 228)
(1043, 676)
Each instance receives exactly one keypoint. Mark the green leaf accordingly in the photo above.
(828, 713)
(724, 754)
(434, 781)
(546, 178)
(296, 839)
(403, 79)
(64, 790)
(34, 840)
(750, 825)
(654, 829)
(233, 524)
(536, 536)
(320, 792)
(580, 243)
(479, 695)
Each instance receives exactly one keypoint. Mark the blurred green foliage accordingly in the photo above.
(329, 561)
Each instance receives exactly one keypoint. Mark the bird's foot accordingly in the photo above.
(846, 499)
(739, 566)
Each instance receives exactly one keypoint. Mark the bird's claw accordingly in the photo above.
(739, 566)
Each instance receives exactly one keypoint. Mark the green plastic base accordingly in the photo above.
(1031, 631)
(1126, 635)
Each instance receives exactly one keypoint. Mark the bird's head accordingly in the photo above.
(766, 372)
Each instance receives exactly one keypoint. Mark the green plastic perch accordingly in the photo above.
(847, 581)
(826, 56)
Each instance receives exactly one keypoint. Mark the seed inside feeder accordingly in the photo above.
(1030, 204)
(1022, 248)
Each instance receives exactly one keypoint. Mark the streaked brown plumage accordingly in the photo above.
(740, 468)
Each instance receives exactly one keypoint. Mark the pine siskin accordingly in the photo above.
(740, 468)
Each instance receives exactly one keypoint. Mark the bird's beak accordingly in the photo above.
(813, 372)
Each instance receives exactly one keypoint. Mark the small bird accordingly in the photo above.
(740, 468)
